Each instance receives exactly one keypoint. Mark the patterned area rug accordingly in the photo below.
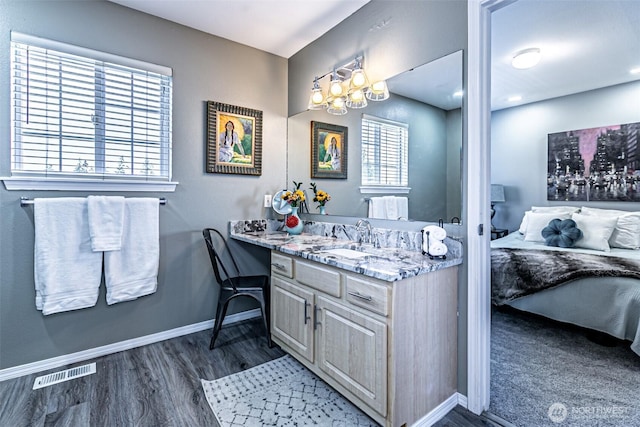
(280, 393)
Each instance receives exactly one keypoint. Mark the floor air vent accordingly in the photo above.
(62, 376)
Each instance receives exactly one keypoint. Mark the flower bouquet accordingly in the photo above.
(321, 197)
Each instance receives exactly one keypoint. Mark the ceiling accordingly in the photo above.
(281, 27)
(586, 44)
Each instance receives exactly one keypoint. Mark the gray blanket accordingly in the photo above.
(519, 272)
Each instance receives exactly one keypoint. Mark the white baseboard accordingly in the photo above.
(81, 356)
(441, 410)
(462, 400)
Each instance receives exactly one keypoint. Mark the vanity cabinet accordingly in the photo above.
(389, 347)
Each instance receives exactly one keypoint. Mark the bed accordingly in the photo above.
(596, 286)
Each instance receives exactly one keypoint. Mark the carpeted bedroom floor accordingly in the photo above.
(544, 373)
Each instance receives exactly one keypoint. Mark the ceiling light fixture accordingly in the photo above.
(635, 70)
(514, 98)
(526, 58)
(338, 98)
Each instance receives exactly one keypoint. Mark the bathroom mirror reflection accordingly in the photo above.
(428, 98)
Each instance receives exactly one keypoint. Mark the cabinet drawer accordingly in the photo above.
(368, 295)
(317, 277)
(282, 265)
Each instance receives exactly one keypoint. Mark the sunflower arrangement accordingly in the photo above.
(295, 197)
(320, 196)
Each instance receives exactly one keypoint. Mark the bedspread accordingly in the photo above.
(519, 272)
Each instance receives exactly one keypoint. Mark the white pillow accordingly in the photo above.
(536, 221)
(525, 221)
(545, 209)
(596, 231)
(562, 209)
(626, 235)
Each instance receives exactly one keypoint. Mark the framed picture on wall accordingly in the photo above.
(328, 150)
(234, 139)
(595, 164)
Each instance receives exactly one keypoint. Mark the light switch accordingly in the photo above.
(267, 200)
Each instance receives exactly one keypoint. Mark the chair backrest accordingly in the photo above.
(217, 245)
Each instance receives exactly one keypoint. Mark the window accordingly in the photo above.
(79, 115)
(385, 161)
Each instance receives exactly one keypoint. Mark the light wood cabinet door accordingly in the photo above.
(352, 350)
(292, 316)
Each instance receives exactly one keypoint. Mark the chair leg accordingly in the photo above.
(222, 311)
(265, 321)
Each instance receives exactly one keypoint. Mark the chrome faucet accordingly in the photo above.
(369, 234)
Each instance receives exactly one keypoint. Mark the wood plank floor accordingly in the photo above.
(154, 385)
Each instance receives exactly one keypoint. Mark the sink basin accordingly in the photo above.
(346, 253)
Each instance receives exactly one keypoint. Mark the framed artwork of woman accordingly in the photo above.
(234, 139)
(328, 150)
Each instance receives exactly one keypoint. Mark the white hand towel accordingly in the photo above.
(437, 248)
(435, 232)
(403, 208)
(377, 208)
(67, 272)
(132, 271)
(391, 207)
(106, 214)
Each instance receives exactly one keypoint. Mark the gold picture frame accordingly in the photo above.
(234, 139)
(328, 150)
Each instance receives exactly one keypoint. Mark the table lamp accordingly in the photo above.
(497, 196)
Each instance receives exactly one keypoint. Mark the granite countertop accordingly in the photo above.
(389, 264)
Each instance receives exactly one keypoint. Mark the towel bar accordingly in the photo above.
(24, 201)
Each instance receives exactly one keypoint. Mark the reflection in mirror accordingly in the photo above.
(428, 99)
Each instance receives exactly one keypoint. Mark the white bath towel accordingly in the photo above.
(67, 272)
(132, 271)
(106, 214)
(377, 208)
(396, 207)
(437, 248)
(435, 232)
(391, 207)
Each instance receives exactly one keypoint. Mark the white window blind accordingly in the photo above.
(79, 113)
(385, 160)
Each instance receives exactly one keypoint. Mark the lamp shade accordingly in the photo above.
(497, 193)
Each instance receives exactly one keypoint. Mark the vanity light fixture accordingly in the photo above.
(317, 101)
(341, 95)
(526, 58)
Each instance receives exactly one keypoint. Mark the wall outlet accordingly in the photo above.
(267, 200)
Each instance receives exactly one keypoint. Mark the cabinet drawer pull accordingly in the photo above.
(316, 316)
(278, 266)
(358, 295)
(306, 313)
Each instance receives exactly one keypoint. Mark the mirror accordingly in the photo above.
(423, 98)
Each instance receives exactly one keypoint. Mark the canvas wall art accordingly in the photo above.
(595, 164)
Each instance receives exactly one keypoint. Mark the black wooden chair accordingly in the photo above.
(233, 284)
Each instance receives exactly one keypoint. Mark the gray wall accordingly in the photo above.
(519, 144)
(205, 68)
(414, 32)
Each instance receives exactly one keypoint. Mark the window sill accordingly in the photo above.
(67, 184)
(384, 189)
